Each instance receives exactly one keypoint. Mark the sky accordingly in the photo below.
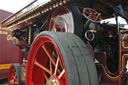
(112, 21)
(13, 5)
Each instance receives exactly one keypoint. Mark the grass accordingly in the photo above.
(4, 82)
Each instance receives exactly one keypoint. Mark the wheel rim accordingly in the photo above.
(12, 79)
(47, 66)
(61, 20)
(92, 14)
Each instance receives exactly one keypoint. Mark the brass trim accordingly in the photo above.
(123, 42)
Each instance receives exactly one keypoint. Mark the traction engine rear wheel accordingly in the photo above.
(60, 59)
(14, 77)
(66, 18)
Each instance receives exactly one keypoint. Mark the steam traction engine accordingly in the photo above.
(67, 42)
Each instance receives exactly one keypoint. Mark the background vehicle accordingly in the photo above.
(7, 56)
(9, 52)
(64, 42)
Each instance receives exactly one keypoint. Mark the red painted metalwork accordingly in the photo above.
(116, 78)
(45, 63)
(12, 79)
(9, 52)
(92, 14)
(61, 20)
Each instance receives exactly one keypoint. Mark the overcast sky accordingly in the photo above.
(13, 5)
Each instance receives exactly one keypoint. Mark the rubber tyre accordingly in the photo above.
(79, 64)
(17, 68)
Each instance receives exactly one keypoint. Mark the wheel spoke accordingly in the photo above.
(90, 16)
(98, 17)
(61, 74)
(93, 17)
(87, 12)
(48, 55)
(90, 11)
(42, 67)
(95, 13)
(15, 75)
(54, 54)
(50, 67)
(58, 56)
(14, 78)
(56, 67)
(46, 77)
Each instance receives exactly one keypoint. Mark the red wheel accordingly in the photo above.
(12, 80)
(14, 75)
(92, 14)
(55, 59)
(65, 19)
(52, 69)
(59, 20)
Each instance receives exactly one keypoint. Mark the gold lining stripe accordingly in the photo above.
(120, 73)
(121, 65)
(5, 66)
(123, 43)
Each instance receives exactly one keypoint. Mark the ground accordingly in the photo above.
(4, 82)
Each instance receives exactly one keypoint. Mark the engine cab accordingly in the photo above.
(109, 44)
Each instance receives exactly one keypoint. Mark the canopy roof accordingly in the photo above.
(104, 6)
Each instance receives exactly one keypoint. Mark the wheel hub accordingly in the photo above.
(52, 81)
(13, 82)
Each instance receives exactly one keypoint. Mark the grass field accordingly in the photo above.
(4, 82)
